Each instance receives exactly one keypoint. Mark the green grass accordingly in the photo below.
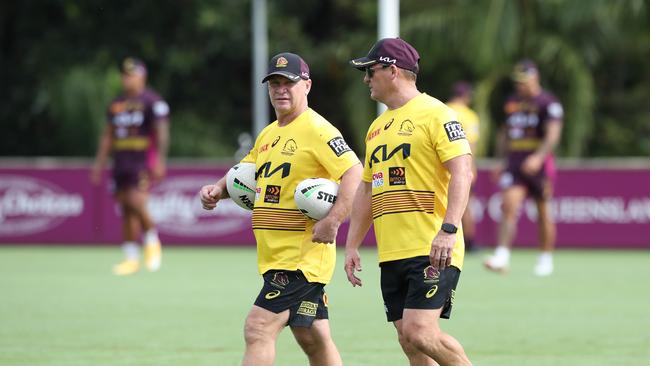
(61, 306)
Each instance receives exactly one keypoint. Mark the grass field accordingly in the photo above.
(61, 306)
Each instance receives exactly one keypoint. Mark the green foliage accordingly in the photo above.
(58, 65)
(188, 127)
(78, 99)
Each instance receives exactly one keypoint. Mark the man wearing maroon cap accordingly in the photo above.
(414, 189)
(137, 136)
(531, 131)
(295, 255)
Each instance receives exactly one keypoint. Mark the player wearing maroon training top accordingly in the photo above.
(532, 129)
(137, 136)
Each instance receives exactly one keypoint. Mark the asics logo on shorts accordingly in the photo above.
(272, 295)
(431, 292)
(431, 277)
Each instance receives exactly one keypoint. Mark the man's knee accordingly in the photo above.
(408, 348)
(509, 208)
(309, 342)
(420, 337)
(256, 330)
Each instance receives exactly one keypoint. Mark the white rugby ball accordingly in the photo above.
(315, 197)
(241, 184)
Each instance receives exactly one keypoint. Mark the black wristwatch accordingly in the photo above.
(449, 228)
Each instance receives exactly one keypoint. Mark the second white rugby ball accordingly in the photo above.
(315, 197)
(241, 184)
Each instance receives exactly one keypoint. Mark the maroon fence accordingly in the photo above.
(594, 207)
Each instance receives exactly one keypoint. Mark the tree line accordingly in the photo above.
(59, 66)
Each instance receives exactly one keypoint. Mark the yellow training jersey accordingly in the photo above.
(308, 147)
(469, 119)
(405, 152)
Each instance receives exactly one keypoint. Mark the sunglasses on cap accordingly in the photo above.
(370, 72)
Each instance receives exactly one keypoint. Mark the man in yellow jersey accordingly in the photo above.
(296, 255)
(415, 186)
(460, 101)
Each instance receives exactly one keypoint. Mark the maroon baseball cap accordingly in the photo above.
(289, 65)
(524, 70)
(461, 89)
(132, 65)
(390, 51)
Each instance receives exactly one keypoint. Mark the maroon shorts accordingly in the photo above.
(131, 174)
(539, 186)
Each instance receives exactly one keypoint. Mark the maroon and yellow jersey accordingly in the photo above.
(133, 121)
(526, 122)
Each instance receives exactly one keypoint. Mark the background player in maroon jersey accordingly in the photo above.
(531, 132)
(137, 137)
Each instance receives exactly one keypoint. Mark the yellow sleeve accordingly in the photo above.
(448, 135)
(333, 152)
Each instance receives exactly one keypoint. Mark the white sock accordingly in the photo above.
(502, 252)
(545, 257)
(131, 250)
(151, 237)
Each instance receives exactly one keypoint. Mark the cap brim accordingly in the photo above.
(288, 75)
(362, 63)
(520, 77)
(135, 71)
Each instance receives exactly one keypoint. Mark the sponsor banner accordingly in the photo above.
(47, 206)
(592, 208)
(61, 206)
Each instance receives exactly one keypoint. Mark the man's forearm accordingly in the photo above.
(361, 216)
(348, 187)
(551, 138)
(162, 140)
(221, 183)
(459, 186)
(103, 150)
